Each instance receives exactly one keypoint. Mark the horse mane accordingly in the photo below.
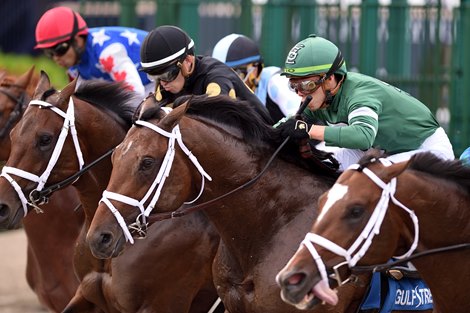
(112, 96)
(428, 162)
(453, 170)
(241, 115)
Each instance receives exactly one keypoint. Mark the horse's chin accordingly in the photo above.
(308, 302)
(320, 294)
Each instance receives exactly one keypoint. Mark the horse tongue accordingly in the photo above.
(325, 293)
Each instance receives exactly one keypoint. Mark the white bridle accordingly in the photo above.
(157, 185)
(69, 124)
(372, 228)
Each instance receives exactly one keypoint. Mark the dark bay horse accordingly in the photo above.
(163, 163)
(398, 209)
(51, 235)
(153, 275)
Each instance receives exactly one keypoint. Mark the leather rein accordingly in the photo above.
(386, 266)
(42, 196)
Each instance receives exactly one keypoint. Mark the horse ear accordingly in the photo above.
(174, 117)
(43, 84)
(26, 80)
(396, 169)
(67, 92)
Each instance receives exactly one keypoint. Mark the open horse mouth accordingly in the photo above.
(296, 289)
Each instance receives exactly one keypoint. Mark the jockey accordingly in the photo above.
(360, 112)
(465, 157)
(167, 56)
(109, 53)
(242, 54)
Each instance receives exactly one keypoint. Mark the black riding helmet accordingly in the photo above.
(237, 50)
(163, 47)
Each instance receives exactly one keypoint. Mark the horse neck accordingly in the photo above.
(441, 207)
(257, 213)
(98, 133)
(442, 211)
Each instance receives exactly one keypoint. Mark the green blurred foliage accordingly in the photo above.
(16, 65)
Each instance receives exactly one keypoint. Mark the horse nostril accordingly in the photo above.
(106, 238)
(295, 279)
(4, 211)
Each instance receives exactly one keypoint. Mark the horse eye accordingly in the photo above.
(355, 212)
(146, 164)
(45, 140)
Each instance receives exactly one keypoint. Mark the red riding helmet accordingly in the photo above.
(58, 25)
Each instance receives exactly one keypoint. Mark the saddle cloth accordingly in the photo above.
(387, 294)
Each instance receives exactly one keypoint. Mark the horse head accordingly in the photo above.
(144, 158)
(350, 214)
(14, 97)
(57, 133)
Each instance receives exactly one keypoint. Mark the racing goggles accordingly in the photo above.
(306, 87)
(245, 72)
(168, 76)
(58, 50)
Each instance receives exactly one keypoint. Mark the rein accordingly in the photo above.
(41, 196)
(167, 215)
(386, 266)
(142, 221)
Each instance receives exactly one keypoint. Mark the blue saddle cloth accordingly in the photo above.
(406, 294)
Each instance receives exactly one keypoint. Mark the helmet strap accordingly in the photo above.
(337, 63)
(186, 73)
(78, 50)
(329, 94)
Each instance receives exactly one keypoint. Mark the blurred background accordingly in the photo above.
(416, 45)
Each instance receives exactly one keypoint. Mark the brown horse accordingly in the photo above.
(162, 163)
(400, 208)
(51, 235)
(153, 275)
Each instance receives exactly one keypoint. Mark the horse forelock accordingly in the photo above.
(452, 170)
(150, 113)
(48, 93)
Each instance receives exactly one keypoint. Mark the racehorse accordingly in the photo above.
(154, 275)
(377, 210)
(199, 152)
(49, 267)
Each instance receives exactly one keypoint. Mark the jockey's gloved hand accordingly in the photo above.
(295, 129)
